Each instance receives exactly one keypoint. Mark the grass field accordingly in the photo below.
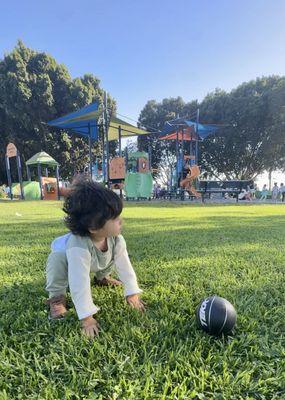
(181, 253)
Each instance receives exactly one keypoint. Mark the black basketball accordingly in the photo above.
(216, 315)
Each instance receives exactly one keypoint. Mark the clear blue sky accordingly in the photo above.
(152, 49)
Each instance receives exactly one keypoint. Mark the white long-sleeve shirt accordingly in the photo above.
(84, 257)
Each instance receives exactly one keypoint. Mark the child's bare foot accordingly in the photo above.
(57, 307)
(107, 281)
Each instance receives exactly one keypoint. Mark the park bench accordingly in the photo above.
(232, 188)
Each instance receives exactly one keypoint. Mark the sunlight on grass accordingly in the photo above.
(181, 253)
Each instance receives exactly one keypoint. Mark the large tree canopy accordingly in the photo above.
(251, 138)
(33, 90)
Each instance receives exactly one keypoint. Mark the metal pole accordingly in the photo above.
(149, 156)
(28, 173)
(191, 148)
(197, 129)
(19, 168)
(120, 153)
(120, 142)
(57, 181)
(103, 155)
(40, 180)
(107, 139)
(8, 170)
(177, 158)
(126, 158)
(90, 149)
(182, 151)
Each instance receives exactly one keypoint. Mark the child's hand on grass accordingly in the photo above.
(135, 301)
(90, 327)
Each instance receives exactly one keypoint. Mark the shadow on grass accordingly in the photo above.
(165, 239)
(18, 234)
(196, 203)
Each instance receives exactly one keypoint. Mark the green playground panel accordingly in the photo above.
(138, 184)
(31, 190)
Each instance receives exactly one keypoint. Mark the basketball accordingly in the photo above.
(216, 315)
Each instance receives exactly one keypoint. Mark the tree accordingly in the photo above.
(251, 138)
(251, 135)
(33, 90)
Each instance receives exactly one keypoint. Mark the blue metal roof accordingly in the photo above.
(83, 121)
(203, 130)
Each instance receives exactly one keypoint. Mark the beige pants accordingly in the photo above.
(57, 274)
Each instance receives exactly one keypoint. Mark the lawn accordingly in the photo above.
(181, 253)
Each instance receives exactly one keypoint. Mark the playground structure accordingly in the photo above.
(138, 181)
(135, 178)
(184, 176)
(49, 186)
(46, 188)
(130, 173)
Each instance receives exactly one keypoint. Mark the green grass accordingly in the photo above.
(181, 253)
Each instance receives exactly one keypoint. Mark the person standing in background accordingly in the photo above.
(275, 192)
(282, 192)
(264, 193)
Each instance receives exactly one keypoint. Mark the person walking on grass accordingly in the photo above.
(275, 192)
(93, 245)
(264, 193)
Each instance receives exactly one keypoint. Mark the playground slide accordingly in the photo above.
(194, 192)
(188, 181)
(138, 184)
(195, 171)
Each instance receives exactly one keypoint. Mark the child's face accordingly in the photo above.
(111, 228)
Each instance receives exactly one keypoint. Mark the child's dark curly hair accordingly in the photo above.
(89, 205)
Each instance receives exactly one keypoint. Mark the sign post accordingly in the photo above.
(11, 151)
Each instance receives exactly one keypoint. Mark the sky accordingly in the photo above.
(153, 49)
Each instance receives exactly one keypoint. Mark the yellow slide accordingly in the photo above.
(186, 183)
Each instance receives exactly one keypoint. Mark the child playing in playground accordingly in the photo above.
(94, 244)
(264, 193)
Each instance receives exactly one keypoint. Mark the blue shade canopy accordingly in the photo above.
(84, 121)
(203, 130)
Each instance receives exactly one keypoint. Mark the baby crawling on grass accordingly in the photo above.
(94, 244)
